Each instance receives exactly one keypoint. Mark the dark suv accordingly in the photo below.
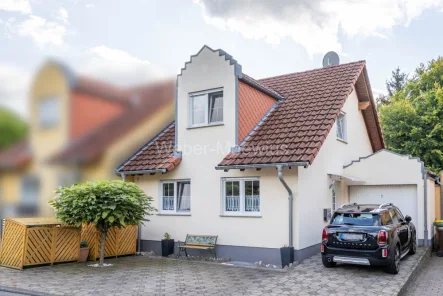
(368, 234)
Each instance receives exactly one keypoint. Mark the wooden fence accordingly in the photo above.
(118, 241)
(33, 241)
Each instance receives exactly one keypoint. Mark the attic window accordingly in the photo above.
(206, 108)
(48, 113)
(341, 127)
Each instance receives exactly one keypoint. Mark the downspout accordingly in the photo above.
(425, 204)
(290, 199)
(139, 225)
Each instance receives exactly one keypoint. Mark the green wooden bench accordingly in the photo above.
(199, 242)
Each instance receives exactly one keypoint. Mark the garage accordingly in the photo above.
(389, 177)
(404, 196)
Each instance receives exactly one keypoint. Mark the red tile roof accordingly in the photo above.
(157, 154)
(252, 106)
(16, 156)
(148, 99)
(296, 129)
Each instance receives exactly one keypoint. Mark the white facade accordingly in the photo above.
(204, 147)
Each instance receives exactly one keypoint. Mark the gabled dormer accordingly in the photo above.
(207, 102)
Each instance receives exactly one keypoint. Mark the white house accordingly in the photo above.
(260, 163)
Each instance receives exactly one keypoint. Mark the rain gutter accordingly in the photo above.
(425, 205)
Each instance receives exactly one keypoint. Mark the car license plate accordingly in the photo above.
(351, 236)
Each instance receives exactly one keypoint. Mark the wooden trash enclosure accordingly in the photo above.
(35, 241)
(118, 241)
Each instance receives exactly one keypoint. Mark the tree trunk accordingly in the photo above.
(102, 246)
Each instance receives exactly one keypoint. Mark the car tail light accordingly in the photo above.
(324, 235)
(322, 248)
(384, 253)
(382, 238)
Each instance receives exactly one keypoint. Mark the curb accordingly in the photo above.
(22, 291)
(415, 271)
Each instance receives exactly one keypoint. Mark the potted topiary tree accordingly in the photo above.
(84, 251)
(167, 245)
(105, 204)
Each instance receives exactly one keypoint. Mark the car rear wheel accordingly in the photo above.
(394, 264)
(327, 262)
(413, 246)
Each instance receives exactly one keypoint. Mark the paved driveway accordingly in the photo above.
(429, 281)
(158, 276)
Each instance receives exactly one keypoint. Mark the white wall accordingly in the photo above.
(314, 193)
(207, 71)
(387, 168)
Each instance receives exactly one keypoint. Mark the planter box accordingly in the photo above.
(287, 256)
(167, 247)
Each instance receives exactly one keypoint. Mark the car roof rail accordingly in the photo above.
(348, 204)
(385, 205)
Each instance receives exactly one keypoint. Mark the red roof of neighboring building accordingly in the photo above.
(157, 154)
(16, 156)
(296, 129)
(147, 100)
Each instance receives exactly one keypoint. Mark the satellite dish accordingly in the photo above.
(331, 59)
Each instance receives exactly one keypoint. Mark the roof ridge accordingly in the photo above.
(311, 70)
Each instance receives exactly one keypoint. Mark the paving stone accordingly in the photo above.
(143, 275)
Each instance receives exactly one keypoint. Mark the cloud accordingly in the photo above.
(42, 31)
(22, 6)
(14, 85)
(118, 66)
(90, 5)
(63, 15)
(314, 24)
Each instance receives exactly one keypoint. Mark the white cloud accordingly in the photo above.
(90, 5)
(314, 24)
(42, 31)
(63, 15)
(22, 6)
(14, 86)
(118, 66)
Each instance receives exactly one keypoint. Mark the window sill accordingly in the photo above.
(206, 125)
(343, 141)
(173, 214)
(241, 216)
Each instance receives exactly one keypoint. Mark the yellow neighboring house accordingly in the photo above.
(80, 129)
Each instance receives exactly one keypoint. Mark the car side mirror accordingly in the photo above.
(408, 218)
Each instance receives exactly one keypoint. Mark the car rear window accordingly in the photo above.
(358, 219)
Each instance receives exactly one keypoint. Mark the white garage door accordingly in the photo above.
(403, 196)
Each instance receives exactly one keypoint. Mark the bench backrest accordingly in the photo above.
(201, 240)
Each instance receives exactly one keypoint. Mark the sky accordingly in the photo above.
(138, 41)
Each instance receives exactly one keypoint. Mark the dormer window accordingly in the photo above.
(206, 108)
(48, 113)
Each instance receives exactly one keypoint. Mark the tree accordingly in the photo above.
(412, 122)
(106, 204)
(397, 81)
(12, 128)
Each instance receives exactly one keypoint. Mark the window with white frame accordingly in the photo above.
(206, 108)
(241, 196)
(175, 196)
(341, 127)
(48, 112)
